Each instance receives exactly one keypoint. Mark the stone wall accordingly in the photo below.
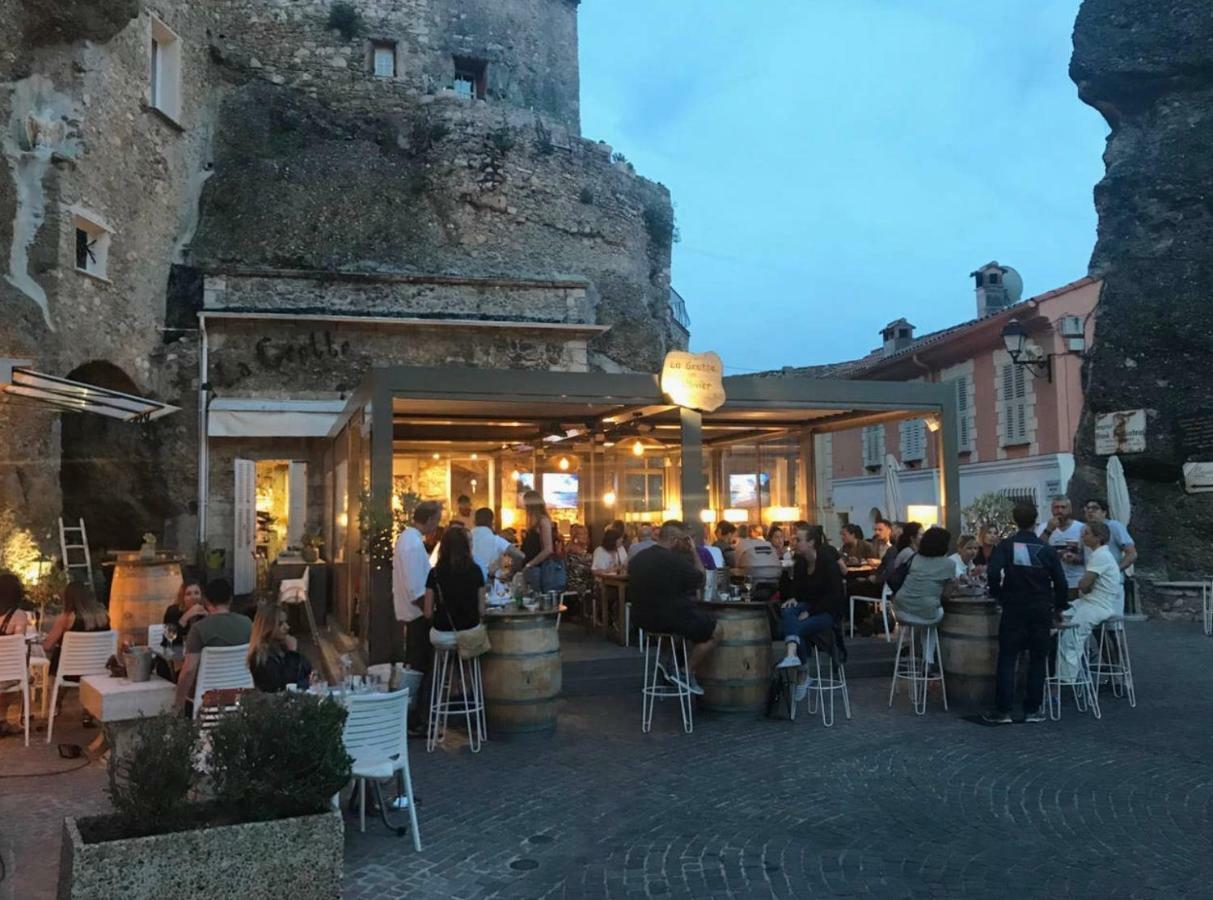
(1148, 68)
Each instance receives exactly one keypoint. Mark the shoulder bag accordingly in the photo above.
(898, 578)
(472, 642)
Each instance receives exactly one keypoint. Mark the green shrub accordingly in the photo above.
(150, 780)
(659, 222)
(586, 196)
(502, 139)
(344, 18)
(990, 511)
(279, 755)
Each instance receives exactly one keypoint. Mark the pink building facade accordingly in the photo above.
(1017, 427)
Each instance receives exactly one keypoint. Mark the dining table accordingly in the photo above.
(610, 617)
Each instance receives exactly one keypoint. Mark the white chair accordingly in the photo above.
(470, 703)
(155, 635)
(376, 736)
(1082, 684)
(82, 653)
(882, 602)
(829, 682)
(1111, 661)
(917, 645)
(294, 592)
(654, 689)
(221, 668)
(13, 669)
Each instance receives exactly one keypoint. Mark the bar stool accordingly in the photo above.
(833, 679)
(470, 704)
(654, 689)
(882, 601)
(1084, 688)
(914, 636)
(1112, 661)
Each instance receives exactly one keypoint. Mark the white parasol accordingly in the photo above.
(1119, 506)
(895, 509)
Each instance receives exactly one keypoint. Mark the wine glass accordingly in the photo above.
(170, 635)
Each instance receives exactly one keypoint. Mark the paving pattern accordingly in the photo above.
(885, 805)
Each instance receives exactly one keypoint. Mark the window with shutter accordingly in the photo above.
(1015, 404)
(964, 426)
(873, 446)
(913, 440)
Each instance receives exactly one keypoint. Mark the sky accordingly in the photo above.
(838, 164)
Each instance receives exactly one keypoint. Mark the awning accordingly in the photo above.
(262, 417)
(19, 381)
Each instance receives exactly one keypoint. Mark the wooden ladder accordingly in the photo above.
(79, 545)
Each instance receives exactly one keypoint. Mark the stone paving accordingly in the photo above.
(885, 805)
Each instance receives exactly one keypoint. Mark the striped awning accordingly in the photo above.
(19, 382)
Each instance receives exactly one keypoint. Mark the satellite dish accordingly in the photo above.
(1013, 282)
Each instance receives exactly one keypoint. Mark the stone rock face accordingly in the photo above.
(65, 21)
(1148, 68)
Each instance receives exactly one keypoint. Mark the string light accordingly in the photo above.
(638, 449)
(564, 464)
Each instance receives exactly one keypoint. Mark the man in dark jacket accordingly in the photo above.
(1027, 580)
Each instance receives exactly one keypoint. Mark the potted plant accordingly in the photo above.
(312, 542)
(258, 823)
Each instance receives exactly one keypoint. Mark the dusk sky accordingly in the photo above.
(837, 164)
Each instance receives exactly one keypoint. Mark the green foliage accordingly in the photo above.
(150, 780)
(659, 223)
(501, 139)
(990, 511)
(586, 196)
(344, 18)
(425, 133)
(279, 755)
(618, 157)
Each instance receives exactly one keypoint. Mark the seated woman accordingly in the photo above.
(966, 551)
(454, 591)
(187, 609)
(813, 599)
(931, 574)
(81, 612)
(612, 557)
(13, 618)
(273, 655)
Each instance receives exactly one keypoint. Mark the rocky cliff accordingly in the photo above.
(1147, 66)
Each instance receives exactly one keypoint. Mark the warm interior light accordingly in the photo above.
(933, 423)
(437, 455)
(475, 456)
(707, 516)
(343, 519)
(782, 513)
(638, 449)
(736, 515)
(564, 464)
(925, 515)
(516, 475)
(672, 514)
(507, 517)
(608, 499)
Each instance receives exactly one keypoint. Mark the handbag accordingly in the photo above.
(553, 575)
(471, 642)
(898, 578)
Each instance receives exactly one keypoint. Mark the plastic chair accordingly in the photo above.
(882, 602)
(654, 690)
(293, 592)
(376, 736)
(917, 642)
(221, 668)
(82, 653)
(155, 635)
(13, 668)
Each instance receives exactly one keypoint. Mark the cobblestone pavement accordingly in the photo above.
(887, 805)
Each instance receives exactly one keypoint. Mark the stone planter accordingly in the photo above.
(298, 858)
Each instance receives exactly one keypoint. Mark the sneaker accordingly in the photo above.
(401, 802)
(801, 691)
(996, 718)
(788, 662)
(1038, 716)
(693, 684)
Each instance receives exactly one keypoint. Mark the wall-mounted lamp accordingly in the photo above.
(1023, 353)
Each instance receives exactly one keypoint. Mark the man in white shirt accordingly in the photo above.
(488, 547)
(1102, 594)
(1120, 542)
(1064, 533)
(410, 570)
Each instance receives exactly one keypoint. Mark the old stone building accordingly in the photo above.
(241, 206)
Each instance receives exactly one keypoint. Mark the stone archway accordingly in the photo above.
(110, 472)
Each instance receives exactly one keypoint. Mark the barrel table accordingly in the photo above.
(141, 590)
(968, 639)
(521, 672)
(736, 674)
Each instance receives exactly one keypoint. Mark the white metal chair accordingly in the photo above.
(917, 644)
(294, 592)
(1111, 661)
(155, 635)
(13, 669)
(82, 653)
(376, 736)
(470, 703)
(221, 668)
(882, 602)
(828, 682)
(654, 689)
(1085, 696)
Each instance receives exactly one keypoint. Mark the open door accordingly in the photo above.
(244, 534)
(297, 499)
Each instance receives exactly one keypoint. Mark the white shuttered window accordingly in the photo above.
(913, 440)
(964, 426)
(873, 447)
(1015, 405)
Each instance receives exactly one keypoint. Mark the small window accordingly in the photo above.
(165, 94)
(92, 245)
(383, 59)
(470, 78)
(993, 276)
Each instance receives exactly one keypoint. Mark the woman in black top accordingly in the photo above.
(186, 610)
(273, 655)
(81, 612)
(455, 590)
(538, 544)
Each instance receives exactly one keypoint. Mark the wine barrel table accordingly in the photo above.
(521, 673)
(968, 640)
(140, 592)
(736, 674)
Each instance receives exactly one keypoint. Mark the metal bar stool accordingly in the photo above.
(834, 678)
(654, 675)
(470, 703)
(1085, 696)
(913, 663)
(1112, 662)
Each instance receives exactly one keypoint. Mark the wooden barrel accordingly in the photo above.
(736, 674)
(522, 675)
(968, 638)
(139, 595)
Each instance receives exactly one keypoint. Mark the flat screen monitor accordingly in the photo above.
(743, 490)
(560, 490)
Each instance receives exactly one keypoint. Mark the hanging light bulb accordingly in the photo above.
(608, 499)
(516, 475)
(638, 449)
(437, 455)
(475, 456)
(564, 464)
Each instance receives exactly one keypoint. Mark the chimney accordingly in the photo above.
(997, 288)
(897, 336)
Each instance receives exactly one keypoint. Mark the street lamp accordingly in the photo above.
(1015, 339)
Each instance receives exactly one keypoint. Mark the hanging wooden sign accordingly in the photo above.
(693, 380)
